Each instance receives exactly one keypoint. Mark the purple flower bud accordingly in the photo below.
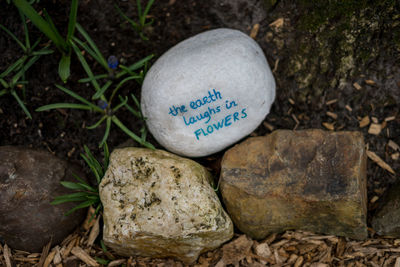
(102, 104)
(112, 62)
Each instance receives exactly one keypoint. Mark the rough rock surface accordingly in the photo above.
(29, 181)
(207, 92)
(386, 221)
(160, 205)
(309, 180)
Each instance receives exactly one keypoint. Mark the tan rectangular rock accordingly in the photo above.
(310, 180)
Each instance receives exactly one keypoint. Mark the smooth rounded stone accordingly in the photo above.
(29, 181)
(386, 221)
(207, 92)
(310, 180)
(157, 204)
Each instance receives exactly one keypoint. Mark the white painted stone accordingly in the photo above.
(157, 204)
(217, 66)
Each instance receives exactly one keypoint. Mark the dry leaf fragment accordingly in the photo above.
(83, 256)
(332, 115)
(263, 250)
(116, 262)
(357, 86)
(396, 156)
(94, 232)
(397, 263)
(254, 30)
(277, 23)
(7, 254)
(330, 102)
(268, 126)
(374, 119)
(374, 199)
(348, 108)
(235, 251)
(393, 145)
(391, 118)
(299, 261)
(375, 129)
(364, 122)
(374, 157)
(370, 82)
(328, 126)
(49, 258)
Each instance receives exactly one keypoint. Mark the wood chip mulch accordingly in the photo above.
(292, 248)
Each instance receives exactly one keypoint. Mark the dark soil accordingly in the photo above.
(304, 87)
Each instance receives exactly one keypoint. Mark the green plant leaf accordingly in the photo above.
(102, 261)
(14, 66)
(120, 105)
(40, 23)
(22, 71)
(106, 156)
(134, 112)
(64, 67)
(14, 37)
(106, 133)
(81, 206)
(42, 52)
(130, 133)
(134, 66)
(92, 44)
(146, 11)
(86, 67)
(3, 92)
(72, 19)
(27, 41)
(134, 25)
(91, 127)
(21, 103)
(73, 185)
(63, 105)
(78, 97)
(96, 77)
(103, 89)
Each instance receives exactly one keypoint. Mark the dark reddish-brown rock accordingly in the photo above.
(29, 181)
(310, 180)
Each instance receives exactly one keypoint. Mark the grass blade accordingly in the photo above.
(102, 91)
(14, 66)
(72, 185)
(134, 112)
(63, 105)
(85, 35)
(134, 66)
(135, 26)
(14, 37)
(130, 133)
(78, 97)
(42, 52)
(139, 7)
(146, 11)
(15, 95)
(94, 126)
(3, 92)
(123, 103)
(39, 22)
(27, 41)
(120, 84)
(22, 71)
(96, 77)
(85, 66)
(72, 19)
(106, 156)
(106, 133)
(81, 206)
(97, 57)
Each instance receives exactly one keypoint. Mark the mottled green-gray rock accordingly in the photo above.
(157, 204)
(386, 221)
(309, 180)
